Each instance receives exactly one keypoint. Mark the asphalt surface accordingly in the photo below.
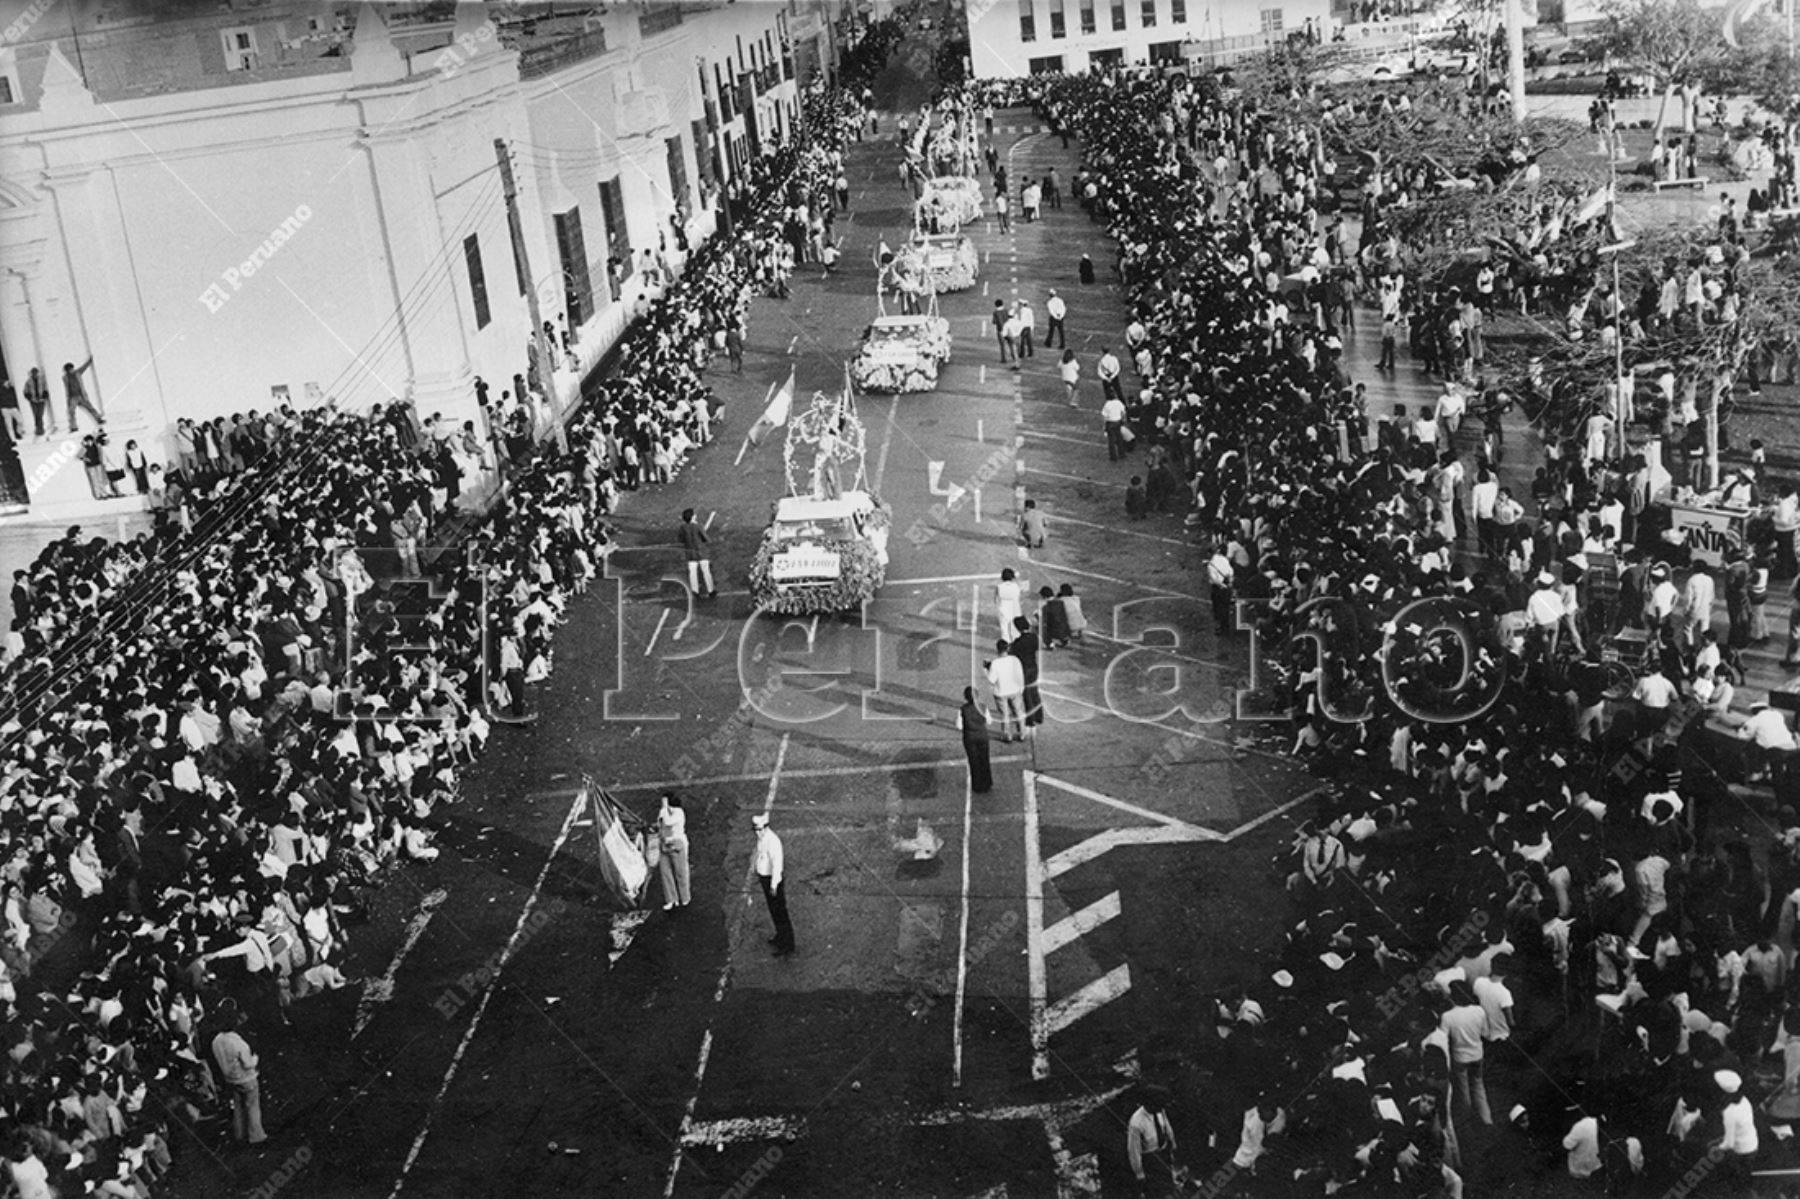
(949, 1026)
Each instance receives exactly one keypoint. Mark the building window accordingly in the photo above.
(240, 49)
(1271, 23)
(1149, 14)
(678, 176)
(1058, 25)
(1101, 59)
(1178, 12)
(1027, 21)
(702, 159)
(7, 94)
(1165, 53)
(618, 236)
(1087, 16)
(477, 280)
(1049, 65)
(1118, 15)
(571, 248)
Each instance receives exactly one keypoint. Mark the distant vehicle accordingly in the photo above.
(1580, 52)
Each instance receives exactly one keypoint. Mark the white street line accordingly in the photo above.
(817, 772)
(1062, 862)
(887, 438)
(962, 942)
(1062, 1111)
(792, 342)
(493, 984)
(1122, 805)
(687, 1118)
(1081, 923)
(1114, 531)
(939, 579)
(1038, 470)
(1088, 1000)
(1034, 933)
(660, 622)
(707, 527)
(1088, 574)
(1241, 829)
(745, 1128)
(377, 991)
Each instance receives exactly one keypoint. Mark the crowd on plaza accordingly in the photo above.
(1516, 877)
(218, 735)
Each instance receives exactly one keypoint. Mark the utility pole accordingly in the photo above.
(1515, 59)
(546, 372)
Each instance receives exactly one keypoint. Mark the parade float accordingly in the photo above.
(938, 255)
(825, 549)
(902, 353)
(949, 200)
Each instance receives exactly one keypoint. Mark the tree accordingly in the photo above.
(1676, 41)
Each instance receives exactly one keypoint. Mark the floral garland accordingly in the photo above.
(862, 571)
(951, 198)
(959, 275)
(919, 372)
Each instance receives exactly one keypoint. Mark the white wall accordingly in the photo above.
(995, 26)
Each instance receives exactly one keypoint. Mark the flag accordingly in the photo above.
(621, 861)
(776, 414)
(1594, 205)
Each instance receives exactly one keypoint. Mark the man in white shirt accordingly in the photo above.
(1450, 408)
(1697, 603)
(1149, 1140)
(1496, 1000)
(1545, 611)
(1653, 693)
(1659, 605)
(769, 865)
(237, 1065)
(1055, 337)
(1006, 675)
(1027, 328)
(1108, 371)
(1738, 1141)
(1482, 498)
(1112, 412)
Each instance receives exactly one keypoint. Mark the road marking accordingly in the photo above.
(660, 622)
(1112, 530)
(1088, 574)
(816, 772)
(377, 991)
(792, 342)
(512, 943)
(707, 527)
(962, 941)
(887, 438)
(941, 579)
(1122, 805)
(745, 1128)
(1086, 851)
(1034, 933)
(1081, 923)
(1088, 1000)
(1038, 470)
(687, 1118)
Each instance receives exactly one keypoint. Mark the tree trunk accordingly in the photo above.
(1662, 110)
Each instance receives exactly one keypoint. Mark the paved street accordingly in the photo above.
(957, 1026)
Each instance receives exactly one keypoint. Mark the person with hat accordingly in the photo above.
(1546, 613)
(1737, 1140)
(1056, 309)
(770, 865)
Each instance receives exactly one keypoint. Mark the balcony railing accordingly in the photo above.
(545, 57)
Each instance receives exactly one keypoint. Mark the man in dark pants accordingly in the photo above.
(1024, 647)
(769, 866)
(1220, 574)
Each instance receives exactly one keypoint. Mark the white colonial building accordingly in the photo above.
(1017, 37)
(228, 205)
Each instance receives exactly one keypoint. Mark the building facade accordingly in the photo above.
(1017, 37)
(266, 202)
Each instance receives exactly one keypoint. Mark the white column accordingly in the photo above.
(1515, 58)
(438, 375)
(107, 309)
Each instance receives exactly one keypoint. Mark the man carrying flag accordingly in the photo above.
(774, 416)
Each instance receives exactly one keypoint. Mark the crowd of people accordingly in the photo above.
(218, 735)
(1500, 886)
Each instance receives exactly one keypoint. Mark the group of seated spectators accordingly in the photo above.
(215, 736)
(1500, 886)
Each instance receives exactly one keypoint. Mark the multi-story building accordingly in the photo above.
(1016, 37)
(231, 205)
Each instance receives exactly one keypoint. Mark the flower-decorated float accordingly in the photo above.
(949, 200)
(902, 354)
(825, 549)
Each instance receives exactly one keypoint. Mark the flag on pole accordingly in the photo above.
(622, 863)
(1594, 205)
(776, 414)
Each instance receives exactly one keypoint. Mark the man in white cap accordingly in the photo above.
(1770, 736)
(1545, 610)
(1738, 1142)
(769, 872)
